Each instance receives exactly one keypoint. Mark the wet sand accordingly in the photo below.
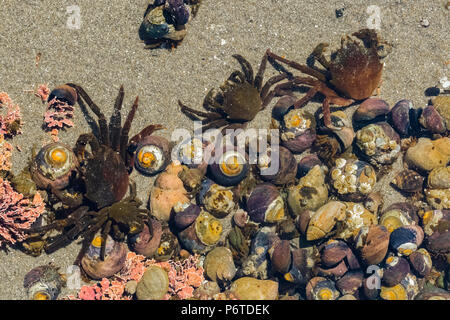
(106, 52)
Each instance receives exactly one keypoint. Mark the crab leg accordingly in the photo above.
(116, 121)
(246, 67)
(126, 130)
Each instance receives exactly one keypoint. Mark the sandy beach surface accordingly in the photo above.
(106, 52)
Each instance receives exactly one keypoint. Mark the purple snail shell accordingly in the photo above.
(178, 11)
(421, 262)
(307, 163)
(265, 204)
(431, 120)
(43, 283)
(152, 155)
(189, 240)
(334, 272)
(147, 241)
(397, 215)
(406, 239)
(185, 214)
(372, 244)
(350, 282)
(332, 252)
(371, 110)
(320, 288)
(297, 127)
(408, 181)
(287, 167)
(302, 266)
(396, 268)
(54, 166)
(64, 93)
(436, 225)
(229, 168)
(168, 246)
(115, 256)
(405, 118)
(281, 257)
(302, 220)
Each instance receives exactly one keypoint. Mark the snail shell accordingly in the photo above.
(396, 268)
(406, 239)
(431, 120)
(324, 219)
(421, 262)
(265, 204)
(147, 241)
(152, 155)
(43, 283)
(219, 200)
(64, 93)
(208, 228)
(185, 214)
(397, 215)
(405, 118)
(287, 169)
(115, 257)
(408, 181)
(230, 168)
(219, 264)
(280, 256)
(371, 110)
(53, 166)
(319, 288)
(372, 243)
(350, 282)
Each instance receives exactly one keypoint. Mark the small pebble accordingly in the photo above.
(424, 22)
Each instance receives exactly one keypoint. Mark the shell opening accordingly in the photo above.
(150, 157)
(231, 163)
(41, 295)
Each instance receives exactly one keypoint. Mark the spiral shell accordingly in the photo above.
(324, 220)
(287, 166)
(147, 241)
(43, 283)
(319, 288)
(372, 244)
(230, 169)
(371, 110)
(265, 204)
(406, 239)
(219, 200)
(421, 262)
(397, 215)
(408, 181)
(396, 268)
(152, 155)
(53, 166)
(64, 93)
(219, 265)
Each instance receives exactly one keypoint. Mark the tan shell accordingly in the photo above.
(248, 288)
(324, 219)
(310, 193)
(439, 178)
(429, 154)
(219, 264)
(153, 285)
(167, 191)
(438, 198)
(356, 217)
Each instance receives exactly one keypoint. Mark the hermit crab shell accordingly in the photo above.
(297, 127)
(229, 168)
(115, 257)
(154, 25)
(319, 288)
(324, 220)
(53, 166)
(406, 239)
(265, 204)
(379, 142)
(310, 193)
(208, 229)
(168, 246)
(153, 285)
(397, 215)
(372, 244)
(152, 155)
(64, 93)
(219, 264)
(352, 179)
(279, 167)
(43, 283)
(147, 241)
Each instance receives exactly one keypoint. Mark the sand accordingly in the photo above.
(106, 52)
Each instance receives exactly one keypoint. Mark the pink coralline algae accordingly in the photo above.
(43, 92)
(58, 115)
(10, 124)
(5, 154)
(184, 277)
(16, 213)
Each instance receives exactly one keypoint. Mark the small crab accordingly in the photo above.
(239, 99)
(353, 73)
(104, 173)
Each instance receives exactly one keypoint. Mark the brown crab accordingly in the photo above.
(104, 172)
(239, 99)
(353, 73)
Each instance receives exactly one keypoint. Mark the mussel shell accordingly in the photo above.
(228, 173)
(319, 288)
(152, 155)
(115, 257)
(287, 169)
(406, 239)
(147, 241)
(395, 270)
(372, 243)
(43, 283)
(53, 166)
(265, 204)
(64, 93)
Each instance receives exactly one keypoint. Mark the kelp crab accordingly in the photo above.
(104, 173)
(352, 74)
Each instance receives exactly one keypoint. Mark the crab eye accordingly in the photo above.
(152, 155)
(231, 168)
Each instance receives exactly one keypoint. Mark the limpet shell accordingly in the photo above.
(153, 285)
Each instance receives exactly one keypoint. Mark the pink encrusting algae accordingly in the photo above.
(11, 122)
(58, 115)
(5, 154)
(42, 92)
(184, 277)
(17, 213)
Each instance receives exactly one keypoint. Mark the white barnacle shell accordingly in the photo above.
(365, 188)
(340, 163)
(335, 174)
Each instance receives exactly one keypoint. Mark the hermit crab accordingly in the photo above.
(239, 99)
(104, 172)
(353, 73)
